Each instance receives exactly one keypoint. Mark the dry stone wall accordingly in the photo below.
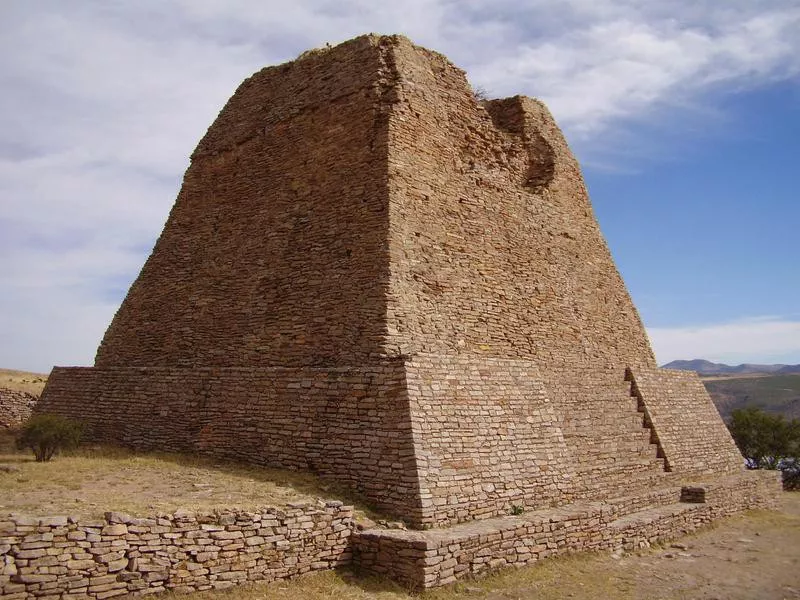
(351, 425)
(689, 429)
(442, 556)
(435, 440)
(68, 558)
(275, 251)
(494, 247)
(486, 438)
(15, 407)
(610, 446)
(360, 202)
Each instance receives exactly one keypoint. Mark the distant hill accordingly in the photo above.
(705, 367)
(773, 388)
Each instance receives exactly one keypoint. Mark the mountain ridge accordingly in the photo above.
(706, 367)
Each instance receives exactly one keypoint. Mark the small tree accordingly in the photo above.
(767, 441)
(47, 434)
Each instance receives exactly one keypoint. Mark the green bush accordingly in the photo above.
(766, 440)
(48, 434)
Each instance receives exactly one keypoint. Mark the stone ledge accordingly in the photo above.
(431, 558)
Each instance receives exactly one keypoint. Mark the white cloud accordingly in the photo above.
(624, 67)
(103, 102)
(755, 340)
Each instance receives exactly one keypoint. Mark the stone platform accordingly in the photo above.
(426, 559)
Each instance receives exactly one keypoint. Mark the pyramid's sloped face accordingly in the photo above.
(495, 248)
(359, 203)
(275, 251)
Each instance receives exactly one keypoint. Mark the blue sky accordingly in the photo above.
(685, 116)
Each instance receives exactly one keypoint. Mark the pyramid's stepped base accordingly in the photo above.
(610, 445)
(426, 559)
(347, 424)
(686, 425)
(433, 439)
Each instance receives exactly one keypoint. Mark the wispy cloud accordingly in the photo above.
(103, 102)
(759, 339)
(625, 64)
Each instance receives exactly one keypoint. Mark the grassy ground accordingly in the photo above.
(93, 480)
(22, 381)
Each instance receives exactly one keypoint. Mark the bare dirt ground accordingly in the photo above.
(23, 381)
(746, 557)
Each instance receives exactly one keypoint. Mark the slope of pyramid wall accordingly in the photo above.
(495, 249)
(275, 251)
(371, 275)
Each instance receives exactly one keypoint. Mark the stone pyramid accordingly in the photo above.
(371, 274)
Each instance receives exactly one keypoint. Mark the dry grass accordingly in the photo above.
(93, 480)
(579, 575)
(23, 381)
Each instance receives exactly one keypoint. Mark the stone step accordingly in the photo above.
(652, 515)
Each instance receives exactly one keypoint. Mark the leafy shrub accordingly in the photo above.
(767, 441)
(48, 434)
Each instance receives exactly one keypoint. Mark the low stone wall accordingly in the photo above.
(15, 407)
(425, 559)
(61, 557)
(71, 559)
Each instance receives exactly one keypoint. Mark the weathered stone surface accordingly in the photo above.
(15, 407)
(688, 428)
(98, 570)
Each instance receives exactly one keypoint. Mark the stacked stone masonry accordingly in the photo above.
(70, 558)
(688, 427)
(452, 438)
(66, 558)
(438, 557)
(351, 425)
(372, 275)
(15, 407)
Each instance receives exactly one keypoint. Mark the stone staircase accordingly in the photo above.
(612, 444)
